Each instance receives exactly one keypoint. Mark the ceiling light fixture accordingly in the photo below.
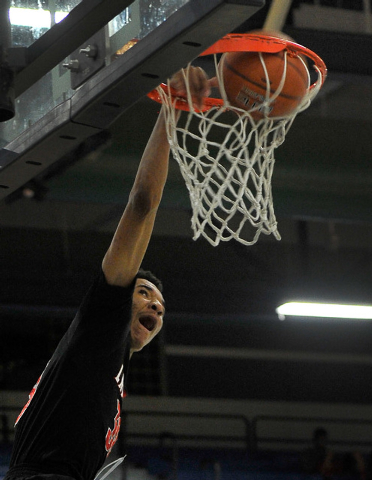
(33, 17)
(325, 310)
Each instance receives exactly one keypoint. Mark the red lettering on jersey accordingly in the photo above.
(112, 435)
(30, 397)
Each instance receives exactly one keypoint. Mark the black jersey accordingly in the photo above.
(72, 418)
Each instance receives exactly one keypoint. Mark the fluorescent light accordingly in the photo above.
(33, 17)
(59, 16)
(30, 17)
(328, 310)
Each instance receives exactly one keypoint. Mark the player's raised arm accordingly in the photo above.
(128, 247)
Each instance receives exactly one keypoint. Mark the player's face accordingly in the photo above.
(147, 313)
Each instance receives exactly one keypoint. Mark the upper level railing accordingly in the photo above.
(232, 430)
(269, 431)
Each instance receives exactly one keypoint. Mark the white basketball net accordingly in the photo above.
(226, 158)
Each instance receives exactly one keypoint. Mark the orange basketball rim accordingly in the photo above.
(248, 42)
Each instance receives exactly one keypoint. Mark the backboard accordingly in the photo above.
(76, 73)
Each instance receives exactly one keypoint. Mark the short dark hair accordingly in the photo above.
(147, 275)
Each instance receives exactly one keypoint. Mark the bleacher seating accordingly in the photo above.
(161, 463)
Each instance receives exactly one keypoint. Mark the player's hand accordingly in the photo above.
(199, 83)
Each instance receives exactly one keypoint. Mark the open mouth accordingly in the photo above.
(148, 322)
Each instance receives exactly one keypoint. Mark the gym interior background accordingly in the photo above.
(222, 338)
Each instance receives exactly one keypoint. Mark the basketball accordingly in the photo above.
(245, 81)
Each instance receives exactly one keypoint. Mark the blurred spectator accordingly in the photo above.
(318, 458)
(353, 465)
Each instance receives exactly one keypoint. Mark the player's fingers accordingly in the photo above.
(199, 85)
(196, 77)
(178, 82)
(213, 82)
(199, 82)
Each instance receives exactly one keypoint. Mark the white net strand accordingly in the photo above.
(226, 158)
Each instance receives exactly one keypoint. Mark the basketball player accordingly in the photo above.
(72, 418)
